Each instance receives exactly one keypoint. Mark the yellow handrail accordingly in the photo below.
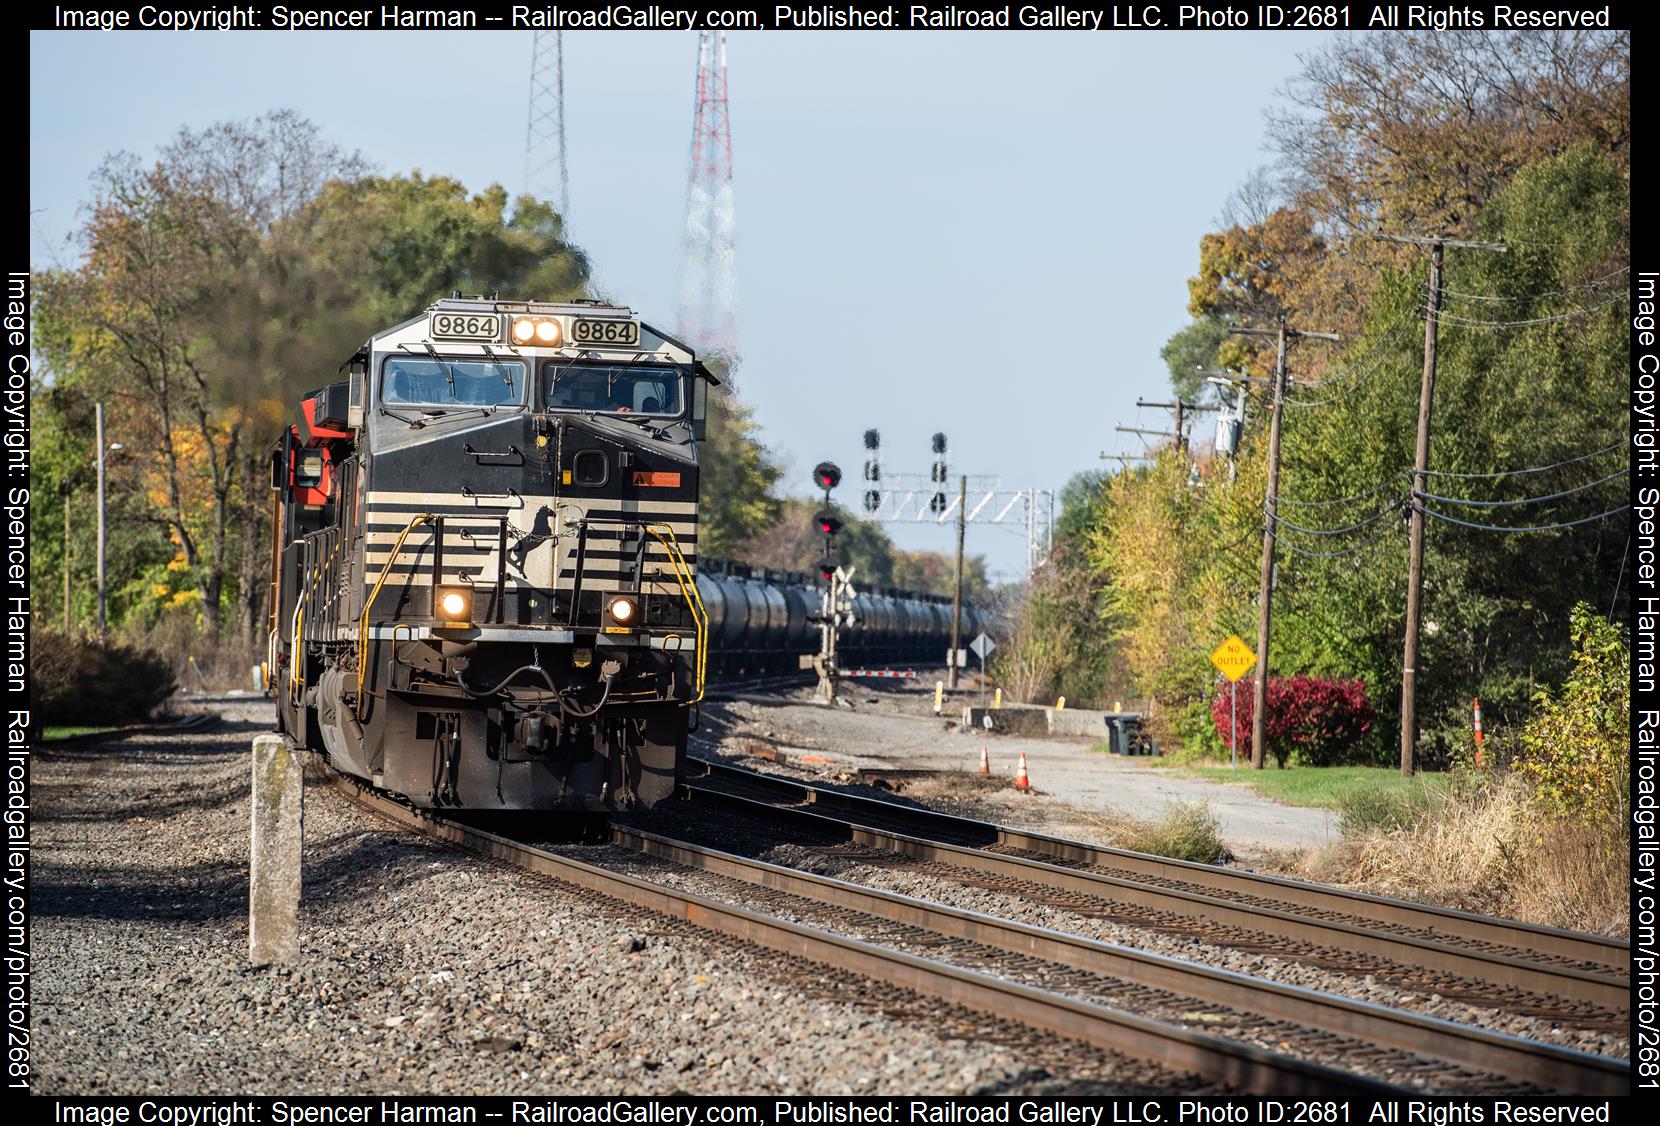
(369, 602)
(294, 678)
(694, 602)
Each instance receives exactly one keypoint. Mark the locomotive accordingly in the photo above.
(485, 586)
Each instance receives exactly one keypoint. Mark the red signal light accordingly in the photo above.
(826, 572)
(826, 475)
(828, 523)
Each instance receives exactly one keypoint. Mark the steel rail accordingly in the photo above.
(1241, 1066)
(1574, 946)
(1602, 990)
(1529, 1061)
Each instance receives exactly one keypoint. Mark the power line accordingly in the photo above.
(1470, 322)
(1363, 544)
(1372, 519)
(1388, 333)
(1526, 500)
(1532, 528)
(1529, 469)
(1336, 500)
(1592, 284)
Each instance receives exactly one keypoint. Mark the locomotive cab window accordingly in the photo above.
(613, 389)
(407, 381)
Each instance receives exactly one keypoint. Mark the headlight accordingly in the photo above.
(536, 330)
(623, 610)
(455, 605)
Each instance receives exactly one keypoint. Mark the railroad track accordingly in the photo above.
(1072, 986)
(1553, 974)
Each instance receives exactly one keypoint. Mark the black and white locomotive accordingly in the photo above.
(484, 565)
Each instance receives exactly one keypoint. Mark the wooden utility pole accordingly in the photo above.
(1420, 470)
(1270, 500)
(66, 617)
(98, 415)
(957, 598)
(1181, 408)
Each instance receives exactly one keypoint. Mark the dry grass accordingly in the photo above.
(200, 663)
(1186, 831)
(1488, 848)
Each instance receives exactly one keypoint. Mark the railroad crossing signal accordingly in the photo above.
(1233, 658)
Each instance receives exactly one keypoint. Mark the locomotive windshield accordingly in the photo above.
(436, 382)
(612, 388)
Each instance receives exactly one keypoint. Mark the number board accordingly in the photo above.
(590, 331)
(465, 326)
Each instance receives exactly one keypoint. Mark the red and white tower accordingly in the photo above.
(708, 277)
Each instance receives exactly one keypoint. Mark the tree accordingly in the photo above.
(236, 272)
(1189, 349)
(736, 479)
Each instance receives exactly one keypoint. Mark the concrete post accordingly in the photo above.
(274, 864)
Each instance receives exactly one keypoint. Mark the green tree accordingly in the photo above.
(1199, 345)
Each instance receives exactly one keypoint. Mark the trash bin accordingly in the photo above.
(1128, 735)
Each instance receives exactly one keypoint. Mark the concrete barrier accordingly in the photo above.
(274, 855)
(1030, 719)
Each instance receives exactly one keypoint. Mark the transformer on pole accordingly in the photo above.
(545, 123)
(708, 277)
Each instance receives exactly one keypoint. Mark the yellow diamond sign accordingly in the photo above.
(1233, 657)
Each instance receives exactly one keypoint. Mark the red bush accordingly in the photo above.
(1322, 722)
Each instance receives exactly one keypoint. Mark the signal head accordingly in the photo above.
(826, 475)
(873, 439)
(826, 571)
(939, 443)
(828, 523)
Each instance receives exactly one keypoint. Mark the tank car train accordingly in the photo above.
(485, 585)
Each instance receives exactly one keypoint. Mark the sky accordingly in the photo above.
(980, 233)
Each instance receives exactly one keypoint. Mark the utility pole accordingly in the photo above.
(1270, 500)
(98, 422)
(1181, 408)
(1420, 470)
(66, 495)
(957, 598)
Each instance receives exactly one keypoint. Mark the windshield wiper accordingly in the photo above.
(414, 423)
(449, 373)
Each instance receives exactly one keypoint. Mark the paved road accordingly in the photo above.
(889, 734)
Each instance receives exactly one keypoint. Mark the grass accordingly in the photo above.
(55, 734)
(1489, 848)
(1186, 831)
(1328, 787)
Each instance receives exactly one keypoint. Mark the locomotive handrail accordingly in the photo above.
(694, 601)
(318, 571)
(369, 604)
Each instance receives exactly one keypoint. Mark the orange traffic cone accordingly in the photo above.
(985, 762)
(1021, 780)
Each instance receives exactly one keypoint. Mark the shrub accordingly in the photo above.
(78, 678)
(1376, 809)
(1575, 749)
(1187, 831)
(1317, 721)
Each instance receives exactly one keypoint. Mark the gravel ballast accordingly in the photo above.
(423, 971)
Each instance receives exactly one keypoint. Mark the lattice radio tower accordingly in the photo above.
(708, 278)
(545, 125)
